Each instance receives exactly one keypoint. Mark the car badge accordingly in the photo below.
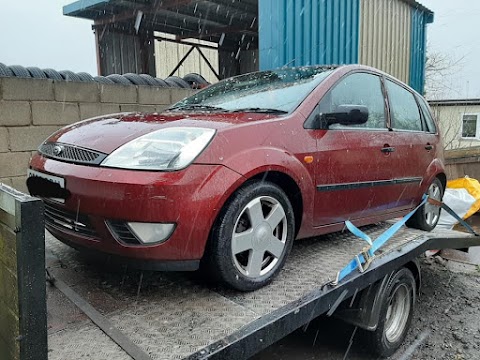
(57, 150)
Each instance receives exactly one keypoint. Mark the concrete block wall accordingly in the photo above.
(32, 109)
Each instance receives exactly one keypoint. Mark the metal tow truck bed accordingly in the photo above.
(176, 315)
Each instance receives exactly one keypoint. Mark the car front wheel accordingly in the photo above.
(252, 237)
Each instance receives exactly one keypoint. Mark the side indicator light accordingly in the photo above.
(308, 159)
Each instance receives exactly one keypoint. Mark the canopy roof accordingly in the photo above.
(206, 19)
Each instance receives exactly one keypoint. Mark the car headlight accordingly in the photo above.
(166, 149)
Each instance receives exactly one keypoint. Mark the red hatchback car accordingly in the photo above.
(233, 174)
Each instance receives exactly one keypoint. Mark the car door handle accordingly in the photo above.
(428, 147)
(388, 149)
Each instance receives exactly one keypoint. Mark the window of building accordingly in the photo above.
(469, 126)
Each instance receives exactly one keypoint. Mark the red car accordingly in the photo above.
(230, 176)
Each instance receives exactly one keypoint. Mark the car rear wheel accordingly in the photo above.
(427, 216)
(252, 237)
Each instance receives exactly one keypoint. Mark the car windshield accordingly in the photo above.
(277, 91)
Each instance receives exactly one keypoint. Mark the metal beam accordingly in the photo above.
(161, 38)
(219, 31)
(182, 61)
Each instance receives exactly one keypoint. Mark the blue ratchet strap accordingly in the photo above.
(363, 260)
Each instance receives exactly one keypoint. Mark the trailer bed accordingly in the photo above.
(177, 315)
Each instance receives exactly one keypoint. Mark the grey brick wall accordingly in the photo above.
(32, 109)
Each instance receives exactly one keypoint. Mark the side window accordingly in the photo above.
(427, 115)
(403, 107)
(357, 89)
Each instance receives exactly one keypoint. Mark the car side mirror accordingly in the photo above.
(343, 115)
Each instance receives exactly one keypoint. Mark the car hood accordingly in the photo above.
(107, 133)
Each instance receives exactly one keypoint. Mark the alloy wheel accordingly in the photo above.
(432, 212)
(259, 236)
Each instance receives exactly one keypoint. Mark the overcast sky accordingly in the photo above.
(35, 33)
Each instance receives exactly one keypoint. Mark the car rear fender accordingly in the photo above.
(435, 169)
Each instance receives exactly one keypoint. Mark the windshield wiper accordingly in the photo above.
(260, 110)
(196, 107)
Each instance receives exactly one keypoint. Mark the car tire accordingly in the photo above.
(119, 79)
(103, 80)
(427, 216)
(161, 82)
(5, 71)
(68, 75)
(244, 262)
(396, 311)
(178, 81)
(135, 79)
(36, 73)
(85, 77)
(150, 80)
(196, 80)
(19, 71)
(52, 74)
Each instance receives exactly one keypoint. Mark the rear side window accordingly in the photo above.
(403, 108)
(358, 89)
(427, 115)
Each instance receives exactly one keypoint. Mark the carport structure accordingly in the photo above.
(125, 30)
(263, 34)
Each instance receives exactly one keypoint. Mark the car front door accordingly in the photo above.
(353, 170)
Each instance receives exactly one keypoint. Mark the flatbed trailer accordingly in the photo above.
(178, 316)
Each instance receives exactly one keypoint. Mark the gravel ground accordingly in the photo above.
(446, 323)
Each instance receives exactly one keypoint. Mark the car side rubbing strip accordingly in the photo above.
(364, 184)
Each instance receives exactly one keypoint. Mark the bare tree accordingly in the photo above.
(439, 69)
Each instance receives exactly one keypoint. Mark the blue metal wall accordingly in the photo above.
(306, 32)
(418, 43)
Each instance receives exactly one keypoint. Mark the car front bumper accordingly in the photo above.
(190, 198)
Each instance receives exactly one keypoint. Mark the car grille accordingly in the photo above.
(121, 232)
(70, 153)
(70, 221)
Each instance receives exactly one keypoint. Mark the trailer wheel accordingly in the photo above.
(396, 310)
(253, 236)
(427, 216)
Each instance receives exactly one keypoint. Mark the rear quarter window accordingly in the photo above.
(427, 115)
(404, 110)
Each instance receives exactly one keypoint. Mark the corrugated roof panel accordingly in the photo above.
(308, 32)
(83, 8)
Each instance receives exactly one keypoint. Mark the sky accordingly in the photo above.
(35, 33)
(455, 34)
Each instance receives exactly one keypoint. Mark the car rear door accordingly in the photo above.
(414, 145)
(353, 168)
